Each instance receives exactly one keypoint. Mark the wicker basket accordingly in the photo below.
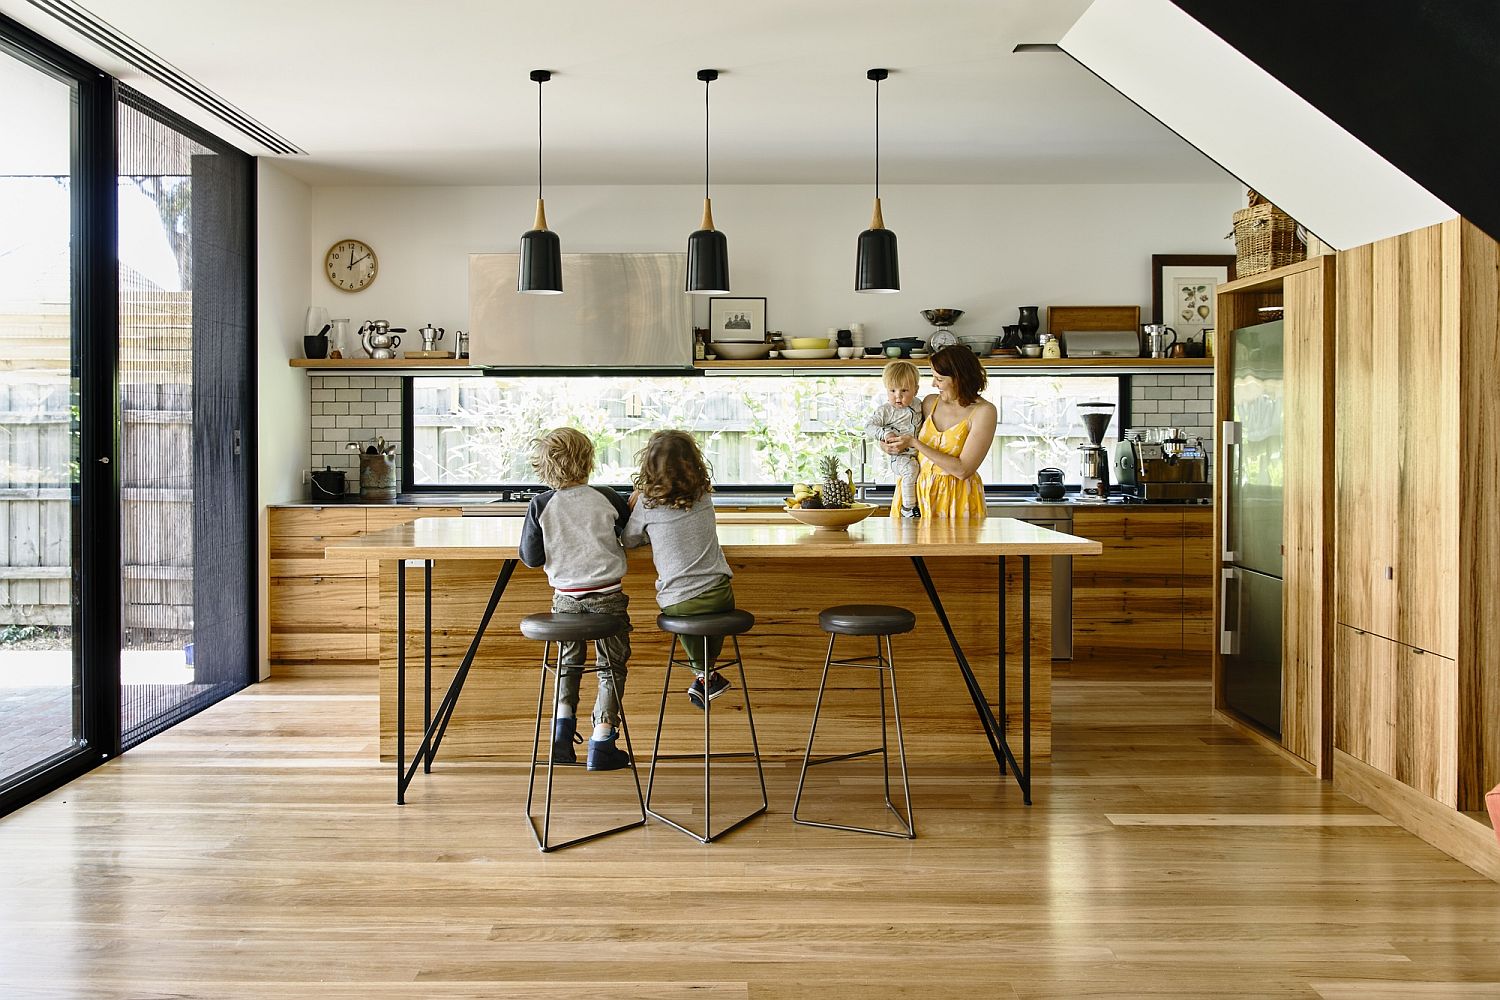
(1265, 237)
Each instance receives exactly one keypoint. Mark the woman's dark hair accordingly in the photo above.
(963, 367)
(673, 471)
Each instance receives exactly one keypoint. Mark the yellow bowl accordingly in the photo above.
(832, 518)
(808, 343)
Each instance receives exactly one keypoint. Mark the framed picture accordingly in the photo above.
(737, 320)
(1182, 290)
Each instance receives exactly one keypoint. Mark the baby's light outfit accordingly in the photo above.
(889, 419)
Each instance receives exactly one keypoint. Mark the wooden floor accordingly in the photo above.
(254, 852)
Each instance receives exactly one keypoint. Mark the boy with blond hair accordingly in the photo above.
(901, 413)
(573, 532)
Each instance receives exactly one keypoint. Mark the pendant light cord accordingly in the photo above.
(539, 140)
(705, 139)
(877, 139)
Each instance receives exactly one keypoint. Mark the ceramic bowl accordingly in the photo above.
(832, 519)
(740, 352)
(807, 343)
(847, 352)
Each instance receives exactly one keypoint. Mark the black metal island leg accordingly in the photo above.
(994, 729)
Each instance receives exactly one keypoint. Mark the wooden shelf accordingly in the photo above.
(1205, 365)
(366, 364)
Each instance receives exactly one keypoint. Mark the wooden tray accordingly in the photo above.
(427, 354)
(1063, 318)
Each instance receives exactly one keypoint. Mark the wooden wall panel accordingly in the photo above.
(1478, 525)
(783, 655)
(1306, 701)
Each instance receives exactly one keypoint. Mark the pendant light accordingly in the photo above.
(541, 252)
(708, 251)
(876, 269)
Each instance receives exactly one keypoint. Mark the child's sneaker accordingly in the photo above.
(911, 511)
(717, 685)
(564, 735)
(604, 755)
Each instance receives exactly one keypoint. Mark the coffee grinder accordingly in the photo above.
(1093, 457)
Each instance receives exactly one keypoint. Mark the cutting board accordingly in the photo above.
(427, 354)
(1064, 318)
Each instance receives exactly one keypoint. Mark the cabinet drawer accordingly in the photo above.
(321, 647)
(389, 517)
(1123, 524)
(314, 567)
(1397, 711)
(338, 522)
(322, 603)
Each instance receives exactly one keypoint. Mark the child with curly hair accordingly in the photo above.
(672, 511)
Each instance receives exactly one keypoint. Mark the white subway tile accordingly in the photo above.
(361, 381)
(372, 395)
(388, 408)
(351, 421)
(335, 381)
(1184, 392)
(321, 420)
(1163, 393)
(394, 395)
(1171, 405)
(346, 395)
(337, 409)
(361, 407)
(1172, 380)
(1143, 407)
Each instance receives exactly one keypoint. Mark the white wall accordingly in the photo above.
(985, 249)
(283, 265)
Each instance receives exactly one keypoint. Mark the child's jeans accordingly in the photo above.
(612, 654)
(719, 597)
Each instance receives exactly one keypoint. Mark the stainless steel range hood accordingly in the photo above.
(617, 310)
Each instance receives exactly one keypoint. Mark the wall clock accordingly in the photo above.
(350, 265)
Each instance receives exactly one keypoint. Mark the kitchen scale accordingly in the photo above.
(942, 319)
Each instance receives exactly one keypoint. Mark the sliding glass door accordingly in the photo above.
(48, 702)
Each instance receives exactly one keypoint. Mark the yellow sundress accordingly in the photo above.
(939, 494)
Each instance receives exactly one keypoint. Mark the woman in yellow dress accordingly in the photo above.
(958, 427)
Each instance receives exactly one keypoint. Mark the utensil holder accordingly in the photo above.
(377, 477)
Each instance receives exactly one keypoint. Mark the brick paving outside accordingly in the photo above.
(35, 723)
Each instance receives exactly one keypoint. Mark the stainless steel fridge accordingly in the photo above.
(1252, 467)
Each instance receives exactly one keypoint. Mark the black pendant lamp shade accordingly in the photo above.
(708, 250)
(876, 269)
(541, 251)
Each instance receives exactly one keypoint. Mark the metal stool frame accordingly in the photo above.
(882, 663)
(542, 836)
(707, 756)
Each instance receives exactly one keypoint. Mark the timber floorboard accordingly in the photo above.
(254, 851)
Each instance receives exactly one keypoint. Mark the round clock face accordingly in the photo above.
(350, 265)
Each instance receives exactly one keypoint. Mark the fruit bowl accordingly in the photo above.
(832, 518)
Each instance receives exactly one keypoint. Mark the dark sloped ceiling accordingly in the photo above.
(1418, 81)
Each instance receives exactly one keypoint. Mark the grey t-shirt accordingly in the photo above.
(574, 535)
(684, 547)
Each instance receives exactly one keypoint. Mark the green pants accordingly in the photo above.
(704, 650)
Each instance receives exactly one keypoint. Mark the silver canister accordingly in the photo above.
(377, 477)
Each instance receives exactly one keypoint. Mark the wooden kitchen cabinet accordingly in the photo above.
(1418, 529)
(1147, 600)
(1398, 712)
(324, 613)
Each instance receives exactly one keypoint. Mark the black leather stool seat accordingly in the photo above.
(565, 628)
(866, 619)
(714, 623)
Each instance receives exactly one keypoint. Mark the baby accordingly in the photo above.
(901, 413)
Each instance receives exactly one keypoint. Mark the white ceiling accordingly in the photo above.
(396, 92)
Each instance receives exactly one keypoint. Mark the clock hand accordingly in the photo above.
(353, 262)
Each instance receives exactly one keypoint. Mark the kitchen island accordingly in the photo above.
(784, 574)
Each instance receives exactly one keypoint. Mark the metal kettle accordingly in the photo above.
(379, 338)
(430, 336)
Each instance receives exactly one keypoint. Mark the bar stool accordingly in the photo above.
(730, 624)
(560, 628)
(882, 621)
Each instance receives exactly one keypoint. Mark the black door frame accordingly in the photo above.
(95, 506)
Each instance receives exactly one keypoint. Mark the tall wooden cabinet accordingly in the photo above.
(1305, 292)
(1418, 537)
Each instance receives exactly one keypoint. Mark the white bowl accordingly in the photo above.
(740, 352)
(823, 355)
(847, 352)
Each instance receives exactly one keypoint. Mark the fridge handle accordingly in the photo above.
(1229, 439)
(1229, 635)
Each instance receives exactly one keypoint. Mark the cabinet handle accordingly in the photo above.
(317, 579)
(1229, 439)
(1229, 636)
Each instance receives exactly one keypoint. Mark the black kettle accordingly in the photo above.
(1049, 484)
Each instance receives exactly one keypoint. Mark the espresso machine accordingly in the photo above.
(1160, 465)
(1094, 457)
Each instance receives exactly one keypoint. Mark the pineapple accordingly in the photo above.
(836, 492)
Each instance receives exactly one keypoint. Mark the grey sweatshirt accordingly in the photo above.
(684, 547)
(575, 535)
(889, 418)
